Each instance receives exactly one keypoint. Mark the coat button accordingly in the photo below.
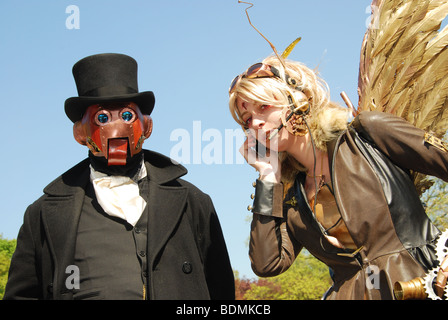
(187, 267)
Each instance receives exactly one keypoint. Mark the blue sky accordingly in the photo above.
(188, 52)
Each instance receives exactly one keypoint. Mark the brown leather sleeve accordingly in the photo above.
(271, 249)
(403, 143)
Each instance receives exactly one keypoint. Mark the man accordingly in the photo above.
(120, 224)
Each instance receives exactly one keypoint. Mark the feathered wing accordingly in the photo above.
(404, 64)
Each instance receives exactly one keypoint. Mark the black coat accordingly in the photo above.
(182, 228)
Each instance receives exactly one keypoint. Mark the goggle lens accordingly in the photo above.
(258, 70)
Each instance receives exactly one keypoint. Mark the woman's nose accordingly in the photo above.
(257, 123)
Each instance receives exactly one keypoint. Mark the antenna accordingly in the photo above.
(250, 22)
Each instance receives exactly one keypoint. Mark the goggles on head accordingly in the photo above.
(113, 130)
(261, 70)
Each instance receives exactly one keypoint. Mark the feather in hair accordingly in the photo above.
(289, 49)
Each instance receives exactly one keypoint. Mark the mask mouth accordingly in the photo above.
(117, 151)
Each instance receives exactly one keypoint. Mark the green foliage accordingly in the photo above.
(306, 279)
(7, 248)
(435, 200)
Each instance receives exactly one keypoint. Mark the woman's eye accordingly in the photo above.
(264, 107)
(103, 118)
(127, 116)
(248, 121)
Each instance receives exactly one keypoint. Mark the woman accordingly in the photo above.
(343, 191)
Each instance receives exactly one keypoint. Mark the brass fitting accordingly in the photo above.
(410, 290)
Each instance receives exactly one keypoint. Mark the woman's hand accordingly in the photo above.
(268, 166)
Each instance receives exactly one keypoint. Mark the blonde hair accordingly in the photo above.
(326, 118)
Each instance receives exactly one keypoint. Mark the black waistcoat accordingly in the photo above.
(110, 253)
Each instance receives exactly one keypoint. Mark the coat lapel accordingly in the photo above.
(60, 216)
(166, 203)
(165, 208)
(60, 219)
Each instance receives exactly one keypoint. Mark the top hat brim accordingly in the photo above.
(75, 107)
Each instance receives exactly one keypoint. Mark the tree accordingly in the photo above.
(306, 279)
(7, 248)
(435, 200)
(241, 286)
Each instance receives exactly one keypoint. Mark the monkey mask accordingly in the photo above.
(113, 130)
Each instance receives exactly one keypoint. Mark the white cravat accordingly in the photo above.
(119, 196)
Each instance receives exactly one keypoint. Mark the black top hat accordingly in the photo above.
(107, 77)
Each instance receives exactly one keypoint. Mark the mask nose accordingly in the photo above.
(117, 152)
(117, 141)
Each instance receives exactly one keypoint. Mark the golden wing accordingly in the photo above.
(404, 64)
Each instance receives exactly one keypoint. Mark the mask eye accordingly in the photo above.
(103, 118)
(127, 116)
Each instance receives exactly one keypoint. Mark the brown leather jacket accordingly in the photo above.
(370, 164)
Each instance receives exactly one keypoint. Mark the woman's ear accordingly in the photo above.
(79, 133)
(147, 126)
